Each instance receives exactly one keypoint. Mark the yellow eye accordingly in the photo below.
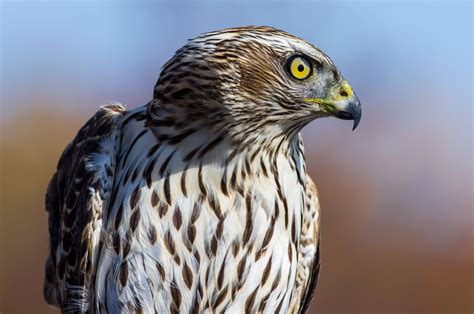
(300, 68)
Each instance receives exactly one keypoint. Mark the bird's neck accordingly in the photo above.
(220, 139)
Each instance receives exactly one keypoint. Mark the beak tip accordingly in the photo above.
(356, 123)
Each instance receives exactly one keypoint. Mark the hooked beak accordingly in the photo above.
(349, 110)
(343, 104)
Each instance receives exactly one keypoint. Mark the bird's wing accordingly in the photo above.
(308, 261)
(76, 200)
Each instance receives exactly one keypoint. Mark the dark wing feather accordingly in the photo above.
(312, 283)
(75, 202)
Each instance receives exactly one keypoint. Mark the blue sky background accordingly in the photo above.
(114, 50)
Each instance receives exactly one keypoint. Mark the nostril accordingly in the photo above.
(343, 93)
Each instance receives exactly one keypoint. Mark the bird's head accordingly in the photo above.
(256, 78)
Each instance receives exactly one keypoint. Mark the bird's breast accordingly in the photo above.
(203, 233)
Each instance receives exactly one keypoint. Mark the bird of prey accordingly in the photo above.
(198, 201)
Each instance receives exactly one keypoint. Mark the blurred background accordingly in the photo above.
(397, 194)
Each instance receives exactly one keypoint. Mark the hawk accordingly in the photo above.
(198, 201)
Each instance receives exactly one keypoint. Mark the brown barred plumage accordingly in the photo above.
(198, 201)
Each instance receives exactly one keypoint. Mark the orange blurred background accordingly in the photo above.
(397, 194)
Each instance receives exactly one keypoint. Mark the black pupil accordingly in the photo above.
(301, 68)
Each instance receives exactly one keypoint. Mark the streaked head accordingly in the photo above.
(254, 77)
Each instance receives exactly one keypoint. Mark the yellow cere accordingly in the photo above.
(344, 91)
(300, 68)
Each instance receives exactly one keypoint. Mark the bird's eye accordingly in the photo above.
(299, 67)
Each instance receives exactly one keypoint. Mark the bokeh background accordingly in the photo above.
(397, 194)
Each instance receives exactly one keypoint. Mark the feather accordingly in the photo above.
(76, 199)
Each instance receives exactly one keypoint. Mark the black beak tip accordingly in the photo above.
(356, 121)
